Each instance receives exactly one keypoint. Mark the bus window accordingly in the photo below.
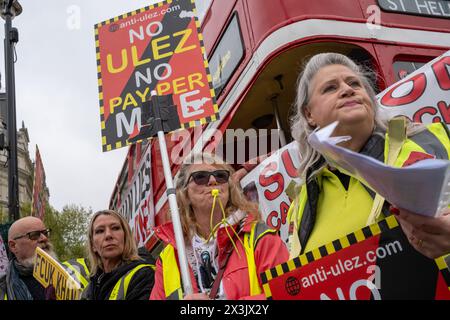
(227, 55)
(403, 67)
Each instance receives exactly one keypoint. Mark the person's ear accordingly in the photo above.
(12, 246)
(309, 117)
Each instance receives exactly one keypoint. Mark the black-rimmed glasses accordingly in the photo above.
(35, 235)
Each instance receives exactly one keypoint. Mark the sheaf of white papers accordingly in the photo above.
(422, 187)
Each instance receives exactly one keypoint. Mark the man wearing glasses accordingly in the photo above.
(24, 236)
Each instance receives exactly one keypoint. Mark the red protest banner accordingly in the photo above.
(375, 262)
(271, 179)
(136, 201)
(39, 198)
(157, 48)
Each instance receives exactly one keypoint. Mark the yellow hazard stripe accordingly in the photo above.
(267, 291)
(440, 262)
(392, 222)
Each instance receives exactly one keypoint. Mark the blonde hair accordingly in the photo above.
(129, 253)
(236, 201)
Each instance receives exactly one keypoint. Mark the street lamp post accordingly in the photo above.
(11, 9)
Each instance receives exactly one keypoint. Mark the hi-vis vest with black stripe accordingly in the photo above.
(79, 270)
(119, 291)
(171, 274)
(434, 141)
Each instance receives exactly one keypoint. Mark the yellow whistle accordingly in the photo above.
(215, 192)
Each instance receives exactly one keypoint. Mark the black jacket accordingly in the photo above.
(101, 284)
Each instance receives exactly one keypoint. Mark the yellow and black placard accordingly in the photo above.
(50, 273)
(376, 262)
(159, 49)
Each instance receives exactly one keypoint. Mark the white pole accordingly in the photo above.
(185, 275)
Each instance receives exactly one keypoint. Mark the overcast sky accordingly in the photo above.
(57, 96)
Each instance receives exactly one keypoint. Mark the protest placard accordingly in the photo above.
(376, 262)
(422, 96)
(157, 48)
(271, 179)
(49, 272)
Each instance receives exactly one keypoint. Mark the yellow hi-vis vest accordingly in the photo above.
(119, 291)
(434, 141)
(171, 274)
(79, 269)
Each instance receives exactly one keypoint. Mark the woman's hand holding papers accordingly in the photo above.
(428, 235)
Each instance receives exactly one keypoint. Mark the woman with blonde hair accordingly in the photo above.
(227, 245)
(118, 273)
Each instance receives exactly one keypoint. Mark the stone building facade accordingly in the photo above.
(25, 166)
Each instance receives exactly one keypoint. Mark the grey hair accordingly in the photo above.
(300, 127)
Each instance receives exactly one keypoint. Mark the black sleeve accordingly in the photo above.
(141, 284)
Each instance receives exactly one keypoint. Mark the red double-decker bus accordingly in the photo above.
(255, 51)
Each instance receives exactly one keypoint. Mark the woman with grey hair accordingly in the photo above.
(332, 204)
(227, 245)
